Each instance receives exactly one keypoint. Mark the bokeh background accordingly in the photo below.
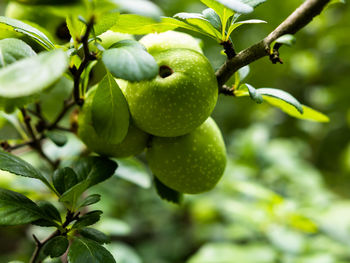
(285, 194)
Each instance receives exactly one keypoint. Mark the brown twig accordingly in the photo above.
(296, 21)
(35, 142)
(86, 59)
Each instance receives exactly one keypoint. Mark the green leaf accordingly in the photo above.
(308, 113)
(140, 7)
(110, 111)
(12, 49)
(140, 25)
(254, 94)
(90, 200)
(64, 178)
(200, 22)
(17, 209)
(72, 195)
(85, 250)
(7, 23)
(281, 95)
(223, 12)
(239, 23)
(135, 171)
(287, 39)
(129, 62)
(237, 6)
(94, 169)
(167, 193)
(58, 138)
(213, 18)
(56, 247)
(105, 22)
(32, 75)
(88, 219)
(13, 164)
(253, 3)
(50, 210)
(95, 235)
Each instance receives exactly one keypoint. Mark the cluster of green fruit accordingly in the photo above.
(169, 115)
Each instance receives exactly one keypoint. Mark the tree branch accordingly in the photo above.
(70, 217)
(302, 16)
(87, 58)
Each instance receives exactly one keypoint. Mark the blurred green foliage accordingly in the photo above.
(284, 196)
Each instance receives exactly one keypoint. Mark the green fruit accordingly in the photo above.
(107, 39)
(134, 142)
(54, 24)
(168, 40)
(179, 99)
(192, 163)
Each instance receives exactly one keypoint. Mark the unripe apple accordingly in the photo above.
(54, 24)
(179, 99)
(107, 39)
(134, 142)
(158, 42)
(192, 163)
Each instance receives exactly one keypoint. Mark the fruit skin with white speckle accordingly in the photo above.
(134, 142)
(158, 42)
(192, 163)
(179, 99)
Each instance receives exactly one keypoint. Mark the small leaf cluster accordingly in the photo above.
(275, 97)
(68, 185)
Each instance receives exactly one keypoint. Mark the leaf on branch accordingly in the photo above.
(12, 49)
(15, 165)
(58, 138)
(254, 94)
(56, 247)
(17, 26)
(167, 193)
(17, 209)
(140, 25)
(213, 18)
(239, 23)
(64, 178)
(88, 219)
(282, 100)
(200, 24)
(90, 200)
(32, 75)
(140, 7)
(127, 60)
(52, 215)
(253, 3)
(234, 5)
(287, 39)
(110, 111)
(308, 113)
(94, 234)
(72, 195)
(94, 169)
(85, 250)
(281, 95)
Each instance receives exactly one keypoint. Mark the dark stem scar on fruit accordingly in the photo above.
(165, 71)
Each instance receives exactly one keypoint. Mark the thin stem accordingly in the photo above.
(87, 58)
(302, 16)
(35, 143)
(70, 217)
